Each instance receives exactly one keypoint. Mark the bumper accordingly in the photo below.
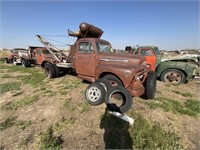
(136, 87)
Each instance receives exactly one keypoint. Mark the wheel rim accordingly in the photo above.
(93, 94)
(118, 98)
(172, 77)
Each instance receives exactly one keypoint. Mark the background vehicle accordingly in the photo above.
(13, 56)
(172, 69)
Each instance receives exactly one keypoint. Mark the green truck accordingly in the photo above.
(173, 69)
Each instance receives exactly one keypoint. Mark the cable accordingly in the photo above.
(56, 35)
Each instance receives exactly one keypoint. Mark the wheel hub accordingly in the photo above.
(94, 94)
(173, 77)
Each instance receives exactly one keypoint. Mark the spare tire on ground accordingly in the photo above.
(95, 94)
(120, 96)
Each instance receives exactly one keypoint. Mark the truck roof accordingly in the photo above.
(151, 46)
(36, 47)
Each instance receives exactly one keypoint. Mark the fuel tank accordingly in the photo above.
(88, 30)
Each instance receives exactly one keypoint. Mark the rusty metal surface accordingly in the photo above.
(87, 30)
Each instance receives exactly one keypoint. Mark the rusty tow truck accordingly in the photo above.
(93, 58)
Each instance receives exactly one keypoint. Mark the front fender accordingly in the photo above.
(186, 67)
(125, 75)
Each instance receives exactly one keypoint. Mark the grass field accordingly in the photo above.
(41, 113)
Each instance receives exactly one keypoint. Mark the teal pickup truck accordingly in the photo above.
(173, 69)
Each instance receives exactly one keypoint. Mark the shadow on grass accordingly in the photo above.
(116, 135)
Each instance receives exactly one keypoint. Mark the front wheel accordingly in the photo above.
(150, 85)
(49, 70)
(174, 76)
(114, 81)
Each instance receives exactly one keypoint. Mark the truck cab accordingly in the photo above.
(152, 55)
(94, 58)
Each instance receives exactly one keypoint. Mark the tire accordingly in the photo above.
(105, 83)
(49, 70)
(95, 94)
(57, 70)
(126, 98)
(28, 63)
(150, 85)
(114, 81)
(24, 63)
(174, 76)
(6, 60)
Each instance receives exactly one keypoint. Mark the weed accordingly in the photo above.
(176, 92)
(23, 124)
(191, 107)
(66, 102)
(24, 142)
(71, 84)
(85, 107)
(6, 76)
(187, 94)
(47, 91)
(35, 78)
(9, 87)
(47, 140)
(63, 92)
(9, 122)
(20, 103)
(63, 124)
(147, 135)
(18, 93)
(183, 94)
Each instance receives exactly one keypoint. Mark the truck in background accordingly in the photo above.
(13, 56)
(172, 69)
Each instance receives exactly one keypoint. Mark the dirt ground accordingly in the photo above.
(63, 99)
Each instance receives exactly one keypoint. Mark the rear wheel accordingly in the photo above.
(123, 102)
(24, 63)
(150, 85)
(57, 70)
(174, 76)
(49, 70)
(6, 60)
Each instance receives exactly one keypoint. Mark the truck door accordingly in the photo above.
(84, 59)
(38, 56)
(150, 56)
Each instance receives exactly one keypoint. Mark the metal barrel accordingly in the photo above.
(89, 30)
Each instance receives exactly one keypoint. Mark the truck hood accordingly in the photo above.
(123, 59)
(193, 57)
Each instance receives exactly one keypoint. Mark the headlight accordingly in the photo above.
(144, 63)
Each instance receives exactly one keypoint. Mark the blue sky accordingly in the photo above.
(167, 24)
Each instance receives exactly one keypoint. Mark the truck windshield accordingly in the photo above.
(104, 48)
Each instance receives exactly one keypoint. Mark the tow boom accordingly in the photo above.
(52, 49)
